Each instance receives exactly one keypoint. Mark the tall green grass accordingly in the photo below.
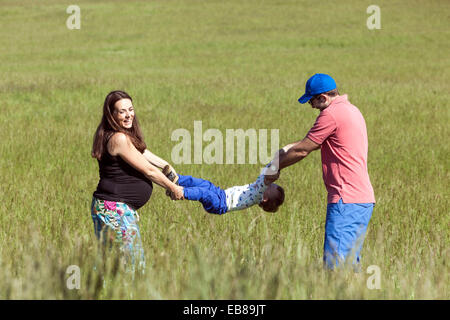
(231, 65)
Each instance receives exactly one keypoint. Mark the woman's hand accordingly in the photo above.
(177, 193)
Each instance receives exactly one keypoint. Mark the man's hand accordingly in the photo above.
(271, 177)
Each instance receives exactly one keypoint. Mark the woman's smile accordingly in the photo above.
(124, 113)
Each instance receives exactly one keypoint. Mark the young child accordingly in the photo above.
(217, 200)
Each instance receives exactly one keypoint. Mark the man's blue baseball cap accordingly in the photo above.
(318, 83)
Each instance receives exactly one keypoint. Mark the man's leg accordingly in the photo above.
(345, 229)
(362, 212)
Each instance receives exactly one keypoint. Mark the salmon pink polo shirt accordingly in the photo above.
(341, 131)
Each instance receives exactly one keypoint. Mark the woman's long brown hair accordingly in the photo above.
(108, 126)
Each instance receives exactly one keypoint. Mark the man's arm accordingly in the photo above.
(287, 156)
(324, 126)
(294, 152)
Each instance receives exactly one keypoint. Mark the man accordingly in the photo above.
(340, 132)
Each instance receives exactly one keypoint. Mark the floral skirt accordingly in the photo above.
(116, 222)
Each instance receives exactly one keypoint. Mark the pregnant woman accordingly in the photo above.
(127, 170)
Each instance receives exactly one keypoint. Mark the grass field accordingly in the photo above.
(233, 64)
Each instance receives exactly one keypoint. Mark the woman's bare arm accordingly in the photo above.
(120, 145)
(154, 159)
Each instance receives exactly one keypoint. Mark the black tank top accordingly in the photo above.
(122, 183)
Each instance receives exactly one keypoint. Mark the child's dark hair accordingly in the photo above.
(280, 200)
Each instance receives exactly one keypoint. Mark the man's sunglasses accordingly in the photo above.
(313, 97)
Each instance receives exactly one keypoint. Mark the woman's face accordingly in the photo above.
(124, 113)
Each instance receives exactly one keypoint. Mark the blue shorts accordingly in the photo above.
(345, 229)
